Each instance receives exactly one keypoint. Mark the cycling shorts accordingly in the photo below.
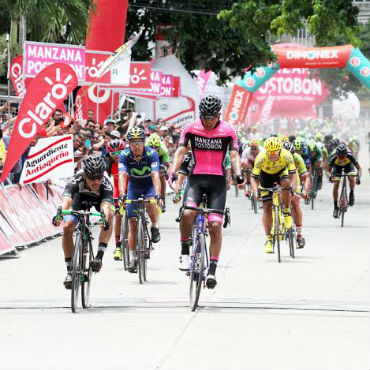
(214, 187)
(316, 158)
(136, 191)
(268, 180)
(349, 169)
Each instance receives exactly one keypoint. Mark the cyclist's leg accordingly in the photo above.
(298, 219)
(133, 192)
(285, 183)
(336, 179)
(318, 166)
(162, 177)
(267, 181)
(153, 214)
(349, 169)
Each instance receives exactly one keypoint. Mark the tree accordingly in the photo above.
(239, 37)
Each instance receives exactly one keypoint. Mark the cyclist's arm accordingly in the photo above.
(122, 181)
(178, 158)
(235, 162)
(359, 169)
(67, 203)
(156, 182)
(106, 207)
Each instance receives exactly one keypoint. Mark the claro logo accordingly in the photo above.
(58, 91)
(16, 74)
(236, 107)
(312, 54)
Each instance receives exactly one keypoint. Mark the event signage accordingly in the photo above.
(45, 92)
(50, 159)
(201, 81)
(140, 75)
(16, 75)
(38, 55)
(238, 106)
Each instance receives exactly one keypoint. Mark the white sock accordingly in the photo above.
(155, 224)
(132, 255)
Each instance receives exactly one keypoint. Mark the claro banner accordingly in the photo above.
(49, 159)
(16, 75)
(238, 106)
(48, 89)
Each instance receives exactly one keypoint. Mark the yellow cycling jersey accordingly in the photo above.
(299, 164)
(263, 163)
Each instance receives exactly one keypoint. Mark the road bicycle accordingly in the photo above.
(278, 230)
(124, 239)
(82, 255)
(143, 242)
(343, 198)
(199, 257)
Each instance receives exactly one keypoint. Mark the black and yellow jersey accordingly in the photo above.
(263, 163)
(334, 160)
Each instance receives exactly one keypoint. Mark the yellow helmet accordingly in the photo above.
(272, 144)
(254, 143)
(153, 140)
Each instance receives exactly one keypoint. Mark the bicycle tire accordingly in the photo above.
(314, 190)
(87, 275)
(342, 204)
(254, 204)
(144, 251)
(139, 260)
(236, 191)
(277, 231)
(76, 272)
(124, 242)
(290, 238)
(196, 278)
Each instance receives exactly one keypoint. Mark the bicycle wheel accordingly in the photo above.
(124, 241)
(87, 274)
(196, 271)
(342, 204)
(236, 191)
(254, 204)
(290, 239)
(139, 251)
(76, 272)
(277, 231)
(313, 191)
(145, 253)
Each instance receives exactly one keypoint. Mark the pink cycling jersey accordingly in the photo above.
(209, 147)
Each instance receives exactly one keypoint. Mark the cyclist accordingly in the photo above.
(343, 161)
(302, 178)
(248, 157)
(316, 161)
(141, 165)
(114, 149)
(210, 140)
(154, 141)
(87, 189)
(303, 151)
(276, 165)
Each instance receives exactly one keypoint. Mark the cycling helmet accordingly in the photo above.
(254, 143)
(210, 106)
(153, 140)
(135, 133)
(288, 146)
(115, 145)
(336, 142)
(328, 137)
(298, 144)
(272, 144)
(312, 145)
(291, 138)
(92, 165)
(318, 136)
(341, 149)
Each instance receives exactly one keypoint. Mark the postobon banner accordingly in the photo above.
(50, 159)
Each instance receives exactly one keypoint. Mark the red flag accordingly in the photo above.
(16, 75)
(238, 106)
(48, 89)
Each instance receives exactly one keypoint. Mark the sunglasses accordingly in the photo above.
(115, 154)
(95, 177)
(136, 143)
(276, 152)
(207, 118)
(254, 148)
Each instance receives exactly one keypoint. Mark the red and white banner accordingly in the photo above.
(201, 81)
(178, 113)
(325, 57)
(51, 86)
(140, 75)
(49, 159)
(38, 55)
(16, 75)
(238, 106)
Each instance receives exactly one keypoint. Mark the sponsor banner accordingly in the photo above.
(252, 82)
(359, 65)
(93, 62)
(38, 55)
(238, 106)
(50, 159)
(16, 75)
(201, 81)
(180, 113)
(140, 75)
(323, 57)
(79, 109)
(7, 226)
(51, 86)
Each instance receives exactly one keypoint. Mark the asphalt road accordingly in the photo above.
(302, 314)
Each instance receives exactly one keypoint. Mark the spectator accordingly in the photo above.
(90, 115)
(109, 125)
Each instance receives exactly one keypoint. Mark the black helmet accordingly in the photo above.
(136, 133)
(328, 137)
(93, 165)
(288, 146)
(291, 138)
(336, 142)
(341, 149)
(210, 106)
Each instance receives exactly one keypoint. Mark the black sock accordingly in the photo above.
(68, 263)
(335, 205)
(351, 192)
(101, 249)
(212, 268)
(185, 246)
(118, 244)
